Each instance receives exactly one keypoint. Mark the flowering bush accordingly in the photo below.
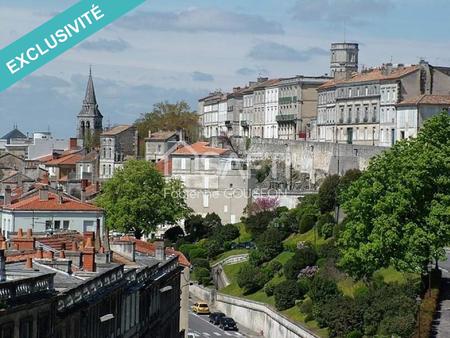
(308, 272)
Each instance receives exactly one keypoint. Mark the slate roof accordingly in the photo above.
(116, 130)
(14, 134)
(90, 106)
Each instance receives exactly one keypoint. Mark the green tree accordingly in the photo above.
(257, 223)
(285, 294)
(138, 199)
(302, 258)
(328, 193)
(398, 211)
(269, 244)
(169, 116)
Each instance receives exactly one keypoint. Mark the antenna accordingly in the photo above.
(345, 31)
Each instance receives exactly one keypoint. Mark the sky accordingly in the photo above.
(169, 50)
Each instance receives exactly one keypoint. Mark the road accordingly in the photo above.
(200, 326)
(441, 323)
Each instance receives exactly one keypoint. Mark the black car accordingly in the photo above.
(227, 323)
(215, 317)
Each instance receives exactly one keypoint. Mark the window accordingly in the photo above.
(57, 225)
(206, 182)
(205, 200)
(104, 169)
(402, 135)
(48, 225)
(183, 163)
(109, 170)
(66, 225)
(206, 163)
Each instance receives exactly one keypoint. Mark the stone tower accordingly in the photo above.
(344, 60)
(89, 118)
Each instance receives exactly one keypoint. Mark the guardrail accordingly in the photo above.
(234, 259)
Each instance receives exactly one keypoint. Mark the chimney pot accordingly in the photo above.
(160, 252)
(29, 264)
(43, 193)
(20, 233)
(29, 233)
(62, 254)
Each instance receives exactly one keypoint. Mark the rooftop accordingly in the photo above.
(53, 203)
(439, 100)
(200, 148)
(67, 158)
(116, 130)
(161, 135)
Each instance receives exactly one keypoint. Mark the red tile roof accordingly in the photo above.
(53, 204)
(439, 100)
(373, 75)
(70, 159)
(200, 148)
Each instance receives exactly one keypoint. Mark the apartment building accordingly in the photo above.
(116, 146)
(208, 109)
(214, 179)
(297, 101)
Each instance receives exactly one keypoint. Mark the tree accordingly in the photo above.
(212, 223)
(169, 116)
(138, 199)
(398, 211)
(307, 222)
(269, 244)
(257, 223)
(194, 227)
(285, 294)
(302, 258)
(174, 233)
(328, 193)
(250, 278)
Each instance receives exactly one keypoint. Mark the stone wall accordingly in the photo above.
(317, 159)
(255, 316)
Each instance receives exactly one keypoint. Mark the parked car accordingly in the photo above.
(200, 308)
(227, 323)
(191, 335)
(215, 317)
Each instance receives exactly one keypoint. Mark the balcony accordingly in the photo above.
(288, 118)
(244, 124)
(228, 124)
(26, 287)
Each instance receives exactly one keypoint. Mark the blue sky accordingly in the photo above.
(181, 49)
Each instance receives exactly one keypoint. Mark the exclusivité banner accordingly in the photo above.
(56, 36)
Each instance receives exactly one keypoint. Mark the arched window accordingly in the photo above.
(88, 125)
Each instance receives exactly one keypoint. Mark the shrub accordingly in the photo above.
(202, 275)
(256, 257)
(250, 278)
(262, 173)
(269, 288)
(270, 244)
(307, 223)
(302, 258)
(304, 284)
(274, 266)
(213, 248)
(226, 233)
(306, 306)
(328, 250)
(323, 289)
(197, 252)
(201, 263)
(285, 295)
(327, 230)
(257, 223)
(328, 193)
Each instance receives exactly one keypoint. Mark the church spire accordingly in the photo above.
(90, 91)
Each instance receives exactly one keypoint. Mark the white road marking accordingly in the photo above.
(206, 334)
(228, 333)
(217, 334)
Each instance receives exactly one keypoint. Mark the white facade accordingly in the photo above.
(246, 117)
(45, 221)
(388, 114)
(270, 112)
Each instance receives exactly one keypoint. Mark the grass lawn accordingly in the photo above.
(390, 275)
(244, 235)
(229, 253)
(292, 240)
(283, 257)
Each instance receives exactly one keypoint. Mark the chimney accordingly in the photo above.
(160, 252)
(89, 256)
(20, 233)
(2, 266)
(7, 199)
(40, 253)
(60, 195)
(124, 248)
(83, 194)
(149, 133)
(97, 235)
(73, 143)
(29, 264)
(44, 179)
(74, 246)
(29, 233)
(62, 254)
(43, 193)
